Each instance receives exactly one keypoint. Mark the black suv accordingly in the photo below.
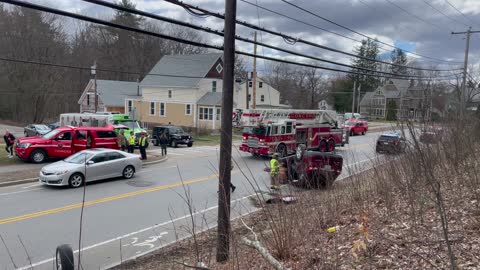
(391, 143)
(175, 135)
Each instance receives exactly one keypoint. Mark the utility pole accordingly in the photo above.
(254, 103)
(223, 219)
(358, 99)
(465, 63)
(94, 73)
(353, 96)
(246, 93)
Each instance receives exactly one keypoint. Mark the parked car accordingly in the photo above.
(431, 135)
(36, 130)
(90, 165)
(391, 143)
(309, 169)
(356, 127)
(348, 116)
(65, 141)
(175, 135)
(54, 125)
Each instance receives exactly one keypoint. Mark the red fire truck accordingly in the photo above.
(268, 131)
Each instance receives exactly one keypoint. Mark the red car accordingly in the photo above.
(312, 168)
(65, 141)
(356, 127)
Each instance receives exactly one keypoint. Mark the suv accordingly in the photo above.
(356, 127)
(175, 136)
(391, 143)
(65, 141)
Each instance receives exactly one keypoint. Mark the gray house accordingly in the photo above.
(111, 95)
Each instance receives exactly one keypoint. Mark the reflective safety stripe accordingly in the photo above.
(141, 141)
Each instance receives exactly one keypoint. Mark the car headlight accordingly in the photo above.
(61, 172)
(23, 145)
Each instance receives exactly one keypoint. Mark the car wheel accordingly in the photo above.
(36, 134)
(363, 132)
(331, 146)
(190, 144)
(25, 133)
(174, 144)
(76, 180)
(352, 133)
(282, 150)
(64, 258)
(38, 156)
(299, 152)
(128, 172)
(323, 146)
(155, 142)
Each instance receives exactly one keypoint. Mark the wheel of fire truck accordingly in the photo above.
(352, 133)
(299, 152)
(282, 150)
(331, 145)
(323, 146)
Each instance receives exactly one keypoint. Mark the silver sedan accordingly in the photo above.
(90, 165)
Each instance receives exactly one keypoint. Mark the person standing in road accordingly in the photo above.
(232, 186)
(122, 141)
(274, 171)
(163, 143)
(9, 141)
(131, 142)
(142, 142)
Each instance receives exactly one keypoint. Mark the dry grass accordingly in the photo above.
(420, 210)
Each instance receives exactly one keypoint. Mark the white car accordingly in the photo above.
(90, 165)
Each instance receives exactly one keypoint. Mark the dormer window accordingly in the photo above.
(214, 86)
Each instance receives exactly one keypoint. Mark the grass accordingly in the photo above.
(212, 139)
(4, 160)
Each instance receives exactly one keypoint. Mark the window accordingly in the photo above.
(129, 105)
(188, 109)
(66, 136)
(289, 127)
(81, 134)
(169, 93)
(249, 97)
(205, 113)
(152, 108)
(115, 155)
(260, 84)
(162, 109)
(283, 130)
(88, 99)
(250, 84)
(218, 113)
(274, 130)
(262, 98)
(214, 86)
(106, 134)
(98, 158)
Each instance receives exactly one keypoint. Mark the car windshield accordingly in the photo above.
(176, 130)
(259, 130)
(389, 138)
(51, 134)
(78, 158)
(131, 124)
(42, 127)
(350, 123)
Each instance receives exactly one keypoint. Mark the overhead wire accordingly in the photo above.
(441, 12)
(310, 43)
(465, 16)
(358, 33)
(193, 43)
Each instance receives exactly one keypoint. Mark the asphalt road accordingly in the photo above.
(123, 219)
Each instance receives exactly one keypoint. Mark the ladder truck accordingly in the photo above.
(268, 131)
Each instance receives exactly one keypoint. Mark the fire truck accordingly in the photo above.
(268, 131)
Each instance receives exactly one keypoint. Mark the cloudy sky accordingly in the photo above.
(420, 26)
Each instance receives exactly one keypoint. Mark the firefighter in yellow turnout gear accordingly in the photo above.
(274, 171)
(131, 142)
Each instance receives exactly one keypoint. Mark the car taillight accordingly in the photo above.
(310, 168)
(396, 142)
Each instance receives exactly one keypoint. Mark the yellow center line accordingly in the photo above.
(106, 199)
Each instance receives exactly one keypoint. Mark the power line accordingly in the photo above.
(208, 30)
(290, 39)
(113, 25)
(415, 16)
(450, 4)
(358, 33)
(439, 11)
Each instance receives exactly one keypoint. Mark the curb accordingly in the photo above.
(18, 182)
(154, 162)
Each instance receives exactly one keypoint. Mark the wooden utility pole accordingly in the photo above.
(254, 103)
(223, 219)
(358, 99)
(465, 63)
(246, 94)
(353, 96)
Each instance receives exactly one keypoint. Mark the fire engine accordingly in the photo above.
(280, 131)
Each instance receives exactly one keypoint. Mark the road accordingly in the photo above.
(123, 219)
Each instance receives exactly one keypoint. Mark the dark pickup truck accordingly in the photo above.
(312, 169)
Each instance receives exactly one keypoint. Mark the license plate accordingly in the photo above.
(385, 143)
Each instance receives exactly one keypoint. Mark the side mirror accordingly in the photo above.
(90, 162)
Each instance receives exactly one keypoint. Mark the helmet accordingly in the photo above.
(275, 155)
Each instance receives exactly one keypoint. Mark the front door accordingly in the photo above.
(62, 145)
(99, 169)
(79, 141)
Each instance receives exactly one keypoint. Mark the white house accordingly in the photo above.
(266, 95)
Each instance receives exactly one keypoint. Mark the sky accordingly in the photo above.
(422, 27)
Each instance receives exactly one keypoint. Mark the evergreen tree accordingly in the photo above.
(368, 49)
(399, 58)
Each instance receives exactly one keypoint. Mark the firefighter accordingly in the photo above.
(274, 171)
(131, 142)
(142, 142)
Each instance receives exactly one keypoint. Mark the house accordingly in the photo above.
(267, 97)
(398, 99)
(324, 104)
(111, 95)
(186, 90)
(182, 90)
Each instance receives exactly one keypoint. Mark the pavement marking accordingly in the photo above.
(34, 185)
(106, 199)
(175, 154)
(140, 231)
(16, 192)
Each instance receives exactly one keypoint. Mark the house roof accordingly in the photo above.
(211, 99)
(189, 65)
(366, 100)
(112, 93)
